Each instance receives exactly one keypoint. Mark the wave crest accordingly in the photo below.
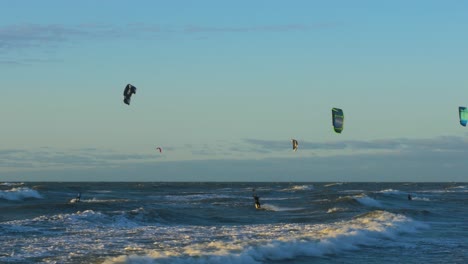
(18, 194)
(269, 243)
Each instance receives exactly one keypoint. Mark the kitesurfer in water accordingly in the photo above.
(256, 199)
(410, 197)
(77, 199)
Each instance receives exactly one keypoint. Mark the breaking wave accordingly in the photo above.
(18, 194)
(361, 199)
(281, 242)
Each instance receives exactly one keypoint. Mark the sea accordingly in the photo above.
(209, 222)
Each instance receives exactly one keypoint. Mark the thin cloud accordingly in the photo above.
(21, 36)
(34, 35)
(50, 158)
(454, 144)
(26, 62)
(408, 166)
(50, 37)
(267, 28)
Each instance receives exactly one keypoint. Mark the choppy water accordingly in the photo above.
(217, 223)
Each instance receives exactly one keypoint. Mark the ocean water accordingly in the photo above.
(218, 223)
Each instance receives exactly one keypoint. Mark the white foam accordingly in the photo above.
(421, 199)
(275, 208)
(18, 194)
(81, 219)
(74, 200)
(333, 184)
(336, 210)
(391, 191)
(278, 198)
(94, 200)
(461, 188)
(11, 184)
(300, 188)
(199, 197)
(458, 187)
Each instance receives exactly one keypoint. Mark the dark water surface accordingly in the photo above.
(217, 223)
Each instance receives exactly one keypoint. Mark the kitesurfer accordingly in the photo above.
(77, 199)
(256, 199)
(410, 197)
(295, 144)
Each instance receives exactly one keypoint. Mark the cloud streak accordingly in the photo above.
(436, 159)
(256, 29)
(22, 36)
(410, 166)
(30, 37)
(447, 144)
(50, 158)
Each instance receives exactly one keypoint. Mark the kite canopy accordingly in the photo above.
(160, 149)
(463, 113)
(337, 119)
(129, 90)
(295, 144)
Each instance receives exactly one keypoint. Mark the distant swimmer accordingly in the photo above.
(410, 197)
(256, 199)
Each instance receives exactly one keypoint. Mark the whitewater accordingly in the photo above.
(146, 222)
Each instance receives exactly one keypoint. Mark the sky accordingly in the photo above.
(223, 87)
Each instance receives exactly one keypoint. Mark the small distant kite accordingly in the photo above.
(295, 144)
(337, 119)
(160, 149)
(129, 90)
(463, 113)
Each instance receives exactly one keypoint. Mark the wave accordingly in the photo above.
(19, 194)
(421, 199)
(352, 191)
(270, 207)
(11, 184)
(281, 242)
(201, 197)
(94, 200)
(333, 184)
(362, 199)
(367, 201)
(336, 210)
(84, 219)
(300, 188)
(461, 188)
(392, 191)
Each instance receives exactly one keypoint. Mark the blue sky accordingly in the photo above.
(223, 87)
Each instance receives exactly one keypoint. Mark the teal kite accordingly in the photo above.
(463, 112)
